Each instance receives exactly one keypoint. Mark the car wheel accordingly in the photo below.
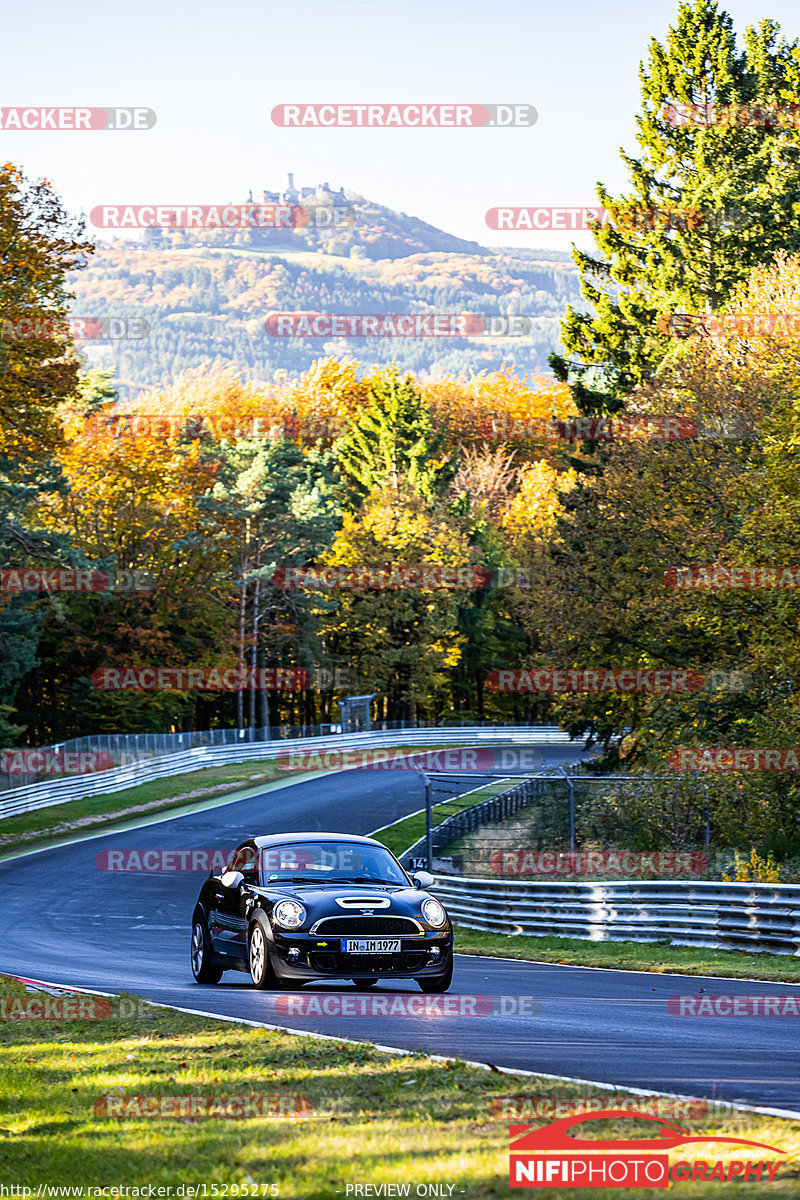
(437, 983)
(261, 971)
(365, 983)
(203, 968)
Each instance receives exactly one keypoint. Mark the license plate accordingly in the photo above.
(371, 946)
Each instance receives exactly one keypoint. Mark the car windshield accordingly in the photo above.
(328, 862)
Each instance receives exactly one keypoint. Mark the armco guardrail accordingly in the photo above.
(60, 791)
(156, 745)
(726, 916)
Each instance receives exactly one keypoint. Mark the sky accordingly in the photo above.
(213, 73)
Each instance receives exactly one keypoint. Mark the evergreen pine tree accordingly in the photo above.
(734, 190)
(391, 438)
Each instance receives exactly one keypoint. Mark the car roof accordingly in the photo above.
(272, 839)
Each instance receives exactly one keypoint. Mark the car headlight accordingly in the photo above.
(289, 913)
(433, 912)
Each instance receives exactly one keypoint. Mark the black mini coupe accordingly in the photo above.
(296, 907)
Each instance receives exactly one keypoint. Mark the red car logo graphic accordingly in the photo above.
(554, 1138)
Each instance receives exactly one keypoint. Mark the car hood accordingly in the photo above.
(320, 900)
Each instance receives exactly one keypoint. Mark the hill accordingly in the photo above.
(205, 294)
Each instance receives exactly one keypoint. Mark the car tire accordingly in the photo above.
(258, 956)
(365, 983)
(203, 968)
(437, 983)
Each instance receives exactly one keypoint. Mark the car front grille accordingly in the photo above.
(389, 964)
(372, 926)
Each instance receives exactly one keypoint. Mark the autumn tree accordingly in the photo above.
(39, 245)
(277, 506)
(402, 641)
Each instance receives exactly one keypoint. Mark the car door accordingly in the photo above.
(229, 918)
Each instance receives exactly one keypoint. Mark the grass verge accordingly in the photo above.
(94, 812)
(658, 957)
(375, 1118)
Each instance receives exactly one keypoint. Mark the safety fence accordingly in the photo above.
(485, 812)
(728, 916)
(573, 812)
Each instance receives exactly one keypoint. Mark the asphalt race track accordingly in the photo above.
(66, 921)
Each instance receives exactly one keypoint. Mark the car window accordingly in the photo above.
(245, 859)
(329, 861)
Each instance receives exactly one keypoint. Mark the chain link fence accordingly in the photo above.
(559, 826)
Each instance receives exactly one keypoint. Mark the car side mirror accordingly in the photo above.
(423, 879)
(232, 879)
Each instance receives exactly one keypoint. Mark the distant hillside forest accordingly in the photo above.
(205, 294)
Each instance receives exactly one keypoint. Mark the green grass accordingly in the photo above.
(402, 834)
(376, 1118)
(658, 957)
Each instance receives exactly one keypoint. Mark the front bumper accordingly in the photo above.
(299, 957)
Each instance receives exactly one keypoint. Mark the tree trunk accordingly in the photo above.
(242, 605)
(254, 652)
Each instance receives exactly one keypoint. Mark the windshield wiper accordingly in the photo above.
(361, 879)
(292, 879)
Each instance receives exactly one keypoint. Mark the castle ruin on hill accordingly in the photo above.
(292, 195)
